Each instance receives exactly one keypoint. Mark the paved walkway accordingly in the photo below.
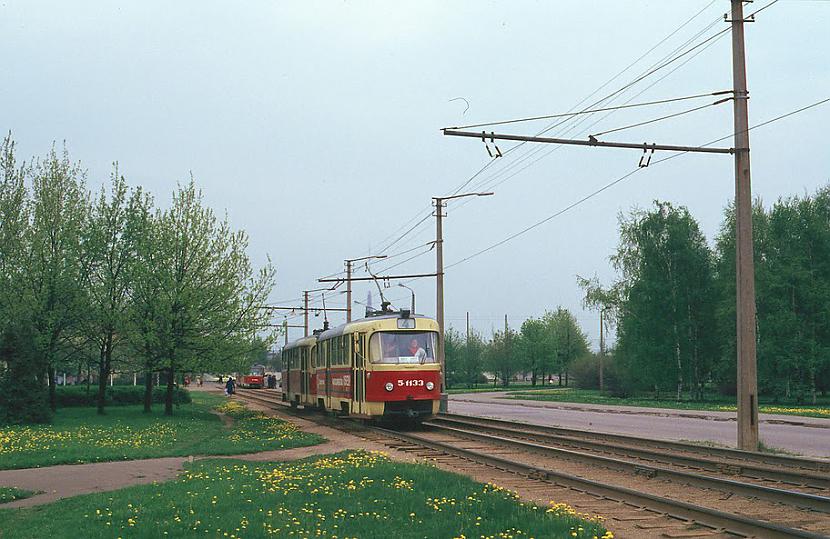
(803, 435)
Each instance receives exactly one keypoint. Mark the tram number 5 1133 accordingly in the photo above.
(410, 383)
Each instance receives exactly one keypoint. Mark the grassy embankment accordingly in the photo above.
(712, 403)
(351, 494)
(79, 435)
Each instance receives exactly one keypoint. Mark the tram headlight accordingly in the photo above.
(389, 386)
(430, 386)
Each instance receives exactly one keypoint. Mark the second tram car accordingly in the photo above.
(384, 366)
(254, 380)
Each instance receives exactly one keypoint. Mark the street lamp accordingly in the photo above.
(349, 262)
(413, 296)
(440, 202)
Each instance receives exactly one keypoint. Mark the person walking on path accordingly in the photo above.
(229, 387)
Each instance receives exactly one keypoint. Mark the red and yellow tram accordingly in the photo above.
(384, 366)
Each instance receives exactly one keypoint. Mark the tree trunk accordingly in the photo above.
(148, 391)
(168, 399)
(103, 374)
(53, 398)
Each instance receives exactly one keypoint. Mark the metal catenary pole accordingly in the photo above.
(745, 270)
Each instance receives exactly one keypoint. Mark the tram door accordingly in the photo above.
(325, 349)
(303, 374)
(359, 375)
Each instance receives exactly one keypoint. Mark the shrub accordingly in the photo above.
(115, 395)
(585, 371)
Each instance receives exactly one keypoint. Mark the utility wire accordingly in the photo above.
(488, 183)
(618, 180)
(610, 96)
(661, 118)
(591, 111)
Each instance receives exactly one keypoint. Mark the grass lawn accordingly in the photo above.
(716, 404)
(10, 494)
(483, 388)
(79, 435)
(350, 494)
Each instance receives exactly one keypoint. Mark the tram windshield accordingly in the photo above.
(410, 347)
(258, 370)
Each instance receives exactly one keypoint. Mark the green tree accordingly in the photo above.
(23, 396)
(536, 348)
(500, 356)
(453, 356)
(666, 335)
(569, 341)
(198, 296)
(49, 288)
(110, 241)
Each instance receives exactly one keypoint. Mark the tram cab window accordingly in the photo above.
(409, 347)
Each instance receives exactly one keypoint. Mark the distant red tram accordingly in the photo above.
(380, 367)
(254, 380)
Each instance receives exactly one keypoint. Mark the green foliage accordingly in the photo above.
(86, 284)
(792, 264)
(349, 494)
(464, 357)
(666, 333)
(196, 296)
(116, 396)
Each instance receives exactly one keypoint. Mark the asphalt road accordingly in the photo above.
(801, 435)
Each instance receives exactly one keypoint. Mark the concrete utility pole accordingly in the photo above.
(601, 349)
(440, 204)
(305, 312)
(349, 262)
(745, 269)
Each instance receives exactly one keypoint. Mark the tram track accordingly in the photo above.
(683, 456)
(657, 503)
(737, 457)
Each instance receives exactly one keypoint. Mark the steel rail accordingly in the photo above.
(797, 499)
(702, 462)
(704, 516)
(736, 454)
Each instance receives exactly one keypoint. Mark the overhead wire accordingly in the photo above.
(589, 111)
(489, 183)
(655, 67)
(617, 181)
(493, 160)
(661, 118)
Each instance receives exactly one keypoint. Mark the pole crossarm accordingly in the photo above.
(379, 278)
(591, 142)
(275, 308)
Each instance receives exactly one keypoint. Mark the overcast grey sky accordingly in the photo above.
(315, 125)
